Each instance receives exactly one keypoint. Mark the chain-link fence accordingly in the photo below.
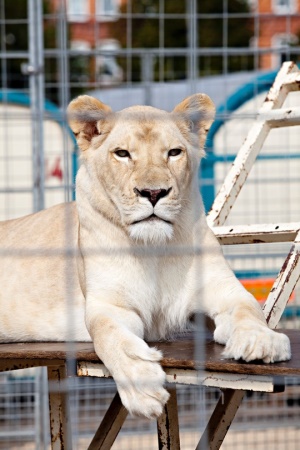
(153, 52)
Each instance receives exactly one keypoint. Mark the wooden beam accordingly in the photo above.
(60, 427)
(256, 234)
(167, 424)
(110, 426)
(221, 419)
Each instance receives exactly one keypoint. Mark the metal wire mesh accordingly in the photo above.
(152, 52)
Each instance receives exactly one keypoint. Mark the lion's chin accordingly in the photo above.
(152, 232)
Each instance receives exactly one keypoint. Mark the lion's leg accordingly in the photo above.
(241, 326)
(117, 334)
(240, 323)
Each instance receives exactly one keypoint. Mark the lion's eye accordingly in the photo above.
(122, 153)
(174, 152)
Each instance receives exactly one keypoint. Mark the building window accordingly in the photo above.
(282, 45)
(80, 63)
(107, 68)
(284, 6)
(253, 4)
(107, 9)
(78, 10)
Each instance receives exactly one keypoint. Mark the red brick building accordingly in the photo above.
(90, 24)
(90, 19)
(279, 27)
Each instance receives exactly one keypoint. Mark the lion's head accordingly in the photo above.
(140, 165)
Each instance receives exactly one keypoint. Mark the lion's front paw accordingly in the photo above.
(255, 341)
(140, 380)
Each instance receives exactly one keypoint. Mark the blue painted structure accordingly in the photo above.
(259, 84)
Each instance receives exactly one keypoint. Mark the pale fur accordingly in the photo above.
(130, 279)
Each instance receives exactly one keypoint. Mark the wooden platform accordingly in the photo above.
(181, 364)
(180, 354)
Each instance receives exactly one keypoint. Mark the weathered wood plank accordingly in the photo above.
(168, 426)
(179, 354)
(60, 426)
(283, 286)
(16, 364)
(256, 234)
(221, 380)
(260, 383)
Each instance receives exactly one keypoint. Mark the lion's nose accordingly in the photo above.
(153, 195)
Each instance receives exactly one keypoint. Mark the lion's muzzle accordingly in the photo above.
(153, 195)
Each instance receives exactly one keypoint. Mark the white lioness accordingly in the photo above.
(148, 260)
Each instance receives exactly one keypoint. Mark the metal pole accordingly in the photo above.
(129, 43)
(161, 41)
(41, 409)
(64, 91)
(191, 14)
(44, 408)
(35, 71)
(147, 76)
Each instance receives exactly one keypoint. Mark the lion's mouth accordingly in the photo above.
(151, 218)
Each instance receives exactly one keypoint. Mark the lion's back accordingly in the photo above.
(38, 265)
(44, 229)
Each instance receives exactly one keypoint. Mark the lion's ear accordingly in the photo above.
(198, 111)
(85, 114)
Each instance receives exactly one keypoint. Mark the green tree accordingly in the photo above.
(214, 31)
(14, 37)
(15, 31)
